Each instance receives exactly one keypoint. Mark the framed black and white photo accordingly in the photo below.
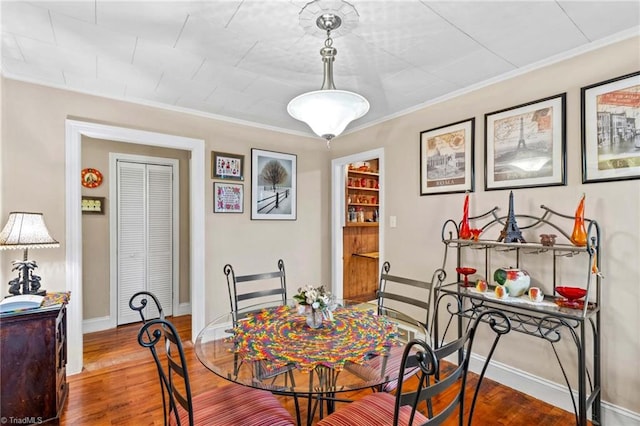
(446, 158)
(227, 166)
(611, 129)
(525, 145)
(273, 185)
(228, 197)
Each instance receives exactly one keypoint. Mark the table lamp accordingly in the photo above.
(24, 231)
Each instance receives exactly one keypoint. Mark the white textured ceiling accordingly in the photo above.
(245, 59)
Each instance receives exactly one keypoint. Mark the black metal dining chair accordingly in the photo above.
(411, 301)
(231, 404)
(445, 388)
(140, 302)
(246, 290)
(409, 295)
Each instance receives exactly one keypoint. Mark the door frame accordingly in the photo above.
(114, 157)
(338, 216)
(74, 131)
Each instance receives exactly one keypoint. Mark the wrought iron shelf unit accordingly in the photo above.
(544, 320)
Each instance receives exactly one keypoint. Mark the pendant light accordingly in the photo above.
(328, 111)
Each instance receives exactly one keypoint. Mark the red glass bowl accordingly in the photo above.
(571, 293)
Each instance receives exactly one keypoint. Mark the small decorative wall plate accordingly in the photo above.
(91, 178)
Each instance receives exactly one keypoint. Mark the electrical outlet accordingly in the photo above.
(393, 222)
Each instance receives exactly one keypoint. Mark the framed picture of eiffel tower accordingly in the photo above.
(525, 145)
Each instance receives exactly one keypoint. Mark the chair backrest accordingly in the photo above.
(409, 295)
(162, 339)
(139, 302)
(244, 289)
(450, 386)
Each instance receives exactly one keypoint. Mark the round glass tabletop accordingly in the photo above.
(273, 347)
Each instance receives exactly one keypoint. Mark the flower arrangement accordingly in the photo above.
(315, 299)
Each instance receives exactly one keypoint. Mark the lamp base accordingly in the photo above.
(26, 282)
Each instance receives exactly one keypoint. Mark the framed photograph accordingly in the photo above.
(611, 129)
(525, 146)
(446, 158)
(228, 197)
(273, 185)
(227, 166)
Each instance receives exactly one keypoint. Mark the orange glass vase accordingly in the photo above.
(579, 234)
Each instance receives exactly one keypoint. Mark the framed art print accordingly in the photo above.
(228, 197)
(611, 129)
(273, 185)
(227, 166)
(525, 145)
(446, 158)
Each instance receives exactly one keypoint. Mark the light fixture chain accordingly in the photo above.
(329, 41)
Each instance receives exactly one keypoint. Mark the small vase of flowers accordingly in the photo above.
(317, 303)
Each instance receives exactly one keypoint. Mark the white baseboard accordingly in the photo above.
(97, 324)
(549, 392)
(105, 323)
(183, 309)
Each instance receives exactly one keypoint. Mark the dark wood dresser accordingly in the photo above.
(33, 360)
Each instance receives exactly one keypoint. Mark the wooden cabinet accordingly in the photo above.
(360, 274)
(33, 356)
(363, 188)
(360, 234)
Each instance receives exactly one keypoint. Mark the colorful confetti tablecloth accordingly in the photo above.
(280, 335)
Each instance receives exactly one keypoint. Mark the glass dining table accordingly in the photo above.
(272, 347)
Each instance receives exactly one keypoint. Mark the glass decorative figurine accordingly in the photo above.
(579, 234)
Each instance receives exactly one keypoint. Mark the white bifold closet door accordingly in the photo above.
(145, 236)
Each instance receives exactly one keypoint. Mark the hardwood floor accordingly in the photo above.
(119, 386)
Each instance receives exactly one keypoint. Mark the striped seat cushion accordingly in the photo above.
(392, 369)
(232, 405)
(373, 410)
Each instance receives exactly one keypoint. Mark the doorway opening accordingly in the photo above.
(74, 131)
(339, 168)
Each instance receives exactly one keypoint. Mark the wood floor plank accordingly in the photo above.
(119, 386)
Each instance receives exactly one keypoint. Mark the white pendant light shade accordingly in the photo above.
(328, 112)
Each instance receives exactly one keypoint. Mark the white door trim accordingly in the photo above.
(74, 131)
(114, 157)
(338, 167)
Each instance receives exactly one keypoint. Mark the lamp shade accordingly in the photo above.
(25, 231)
(327, 111)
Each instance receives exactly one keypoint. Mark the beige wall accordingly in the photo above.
(414, 247)
(33, 152)
(1, 150)
(33, 155)
(95, 228)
